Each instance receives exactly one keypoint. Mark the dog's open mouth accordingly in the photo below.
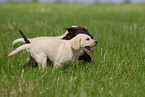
(88, 49)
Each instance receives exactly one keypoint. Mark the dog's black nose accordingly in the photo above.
(96, 42)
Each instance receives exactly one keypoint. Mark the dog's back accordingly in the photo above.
(50, 46)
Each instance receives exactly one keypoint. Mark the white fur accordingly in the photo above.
(60, 52)
(26, 46)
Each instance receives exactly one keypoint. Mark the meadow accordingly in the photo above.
(118, 63)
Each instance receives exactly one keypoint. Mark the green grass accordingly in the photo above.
(118, 63)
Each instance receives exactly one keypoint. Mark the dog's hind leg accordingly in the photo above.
(30, 63)
(41, 59)
(44, 62)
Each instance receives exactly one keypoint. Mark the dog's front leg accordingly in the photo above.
(57, 66)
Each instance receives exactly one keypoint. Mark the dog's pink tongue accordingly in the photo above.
(92, 50)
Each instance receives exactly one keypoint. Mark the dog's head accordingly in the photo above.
(83, 41)
(75, 30)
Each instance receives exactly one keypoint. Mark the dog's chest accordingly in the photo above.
(67, 59)
(66, 55)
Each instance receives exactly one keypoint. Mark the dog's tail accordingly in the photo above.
(25, 46)
(18, 40)
(24, 39)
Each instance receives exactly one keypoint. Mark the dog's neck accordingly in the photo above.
(76, 55)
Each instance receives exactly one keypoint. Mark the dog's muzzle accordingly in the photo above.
(89, 49)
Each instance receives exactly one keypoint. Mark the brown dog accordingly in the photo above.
(71, 32)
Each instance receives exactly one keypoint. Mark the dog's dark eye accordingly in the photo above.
(87, 39)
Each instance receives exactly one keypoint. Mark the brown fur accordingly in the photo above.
(73, 31)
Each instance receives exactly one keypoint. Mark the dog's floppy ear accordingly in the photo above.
(75, 43)
(70, 29)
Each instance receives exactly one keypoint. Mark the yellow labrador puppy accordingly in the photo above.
(69, 34)
(59, 52)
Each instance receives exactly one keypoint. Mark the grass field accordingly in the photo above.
(118, 63)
